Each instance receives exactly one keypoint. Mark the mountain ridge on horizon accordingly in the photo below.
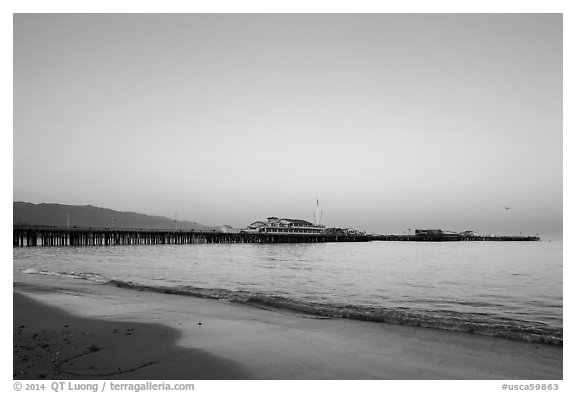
(57, 214)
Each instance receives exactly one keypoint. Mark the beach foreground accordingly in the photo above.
(77, 329)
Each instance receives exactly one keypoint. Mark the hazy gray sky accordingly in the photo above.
(394, 121)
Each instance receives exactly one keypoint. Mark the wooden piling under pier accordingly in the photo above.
(61, 237)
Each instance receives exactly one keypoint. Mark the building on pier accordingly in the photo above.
(344, 231)
(469, 233)
(285, 226)
(229, 229)
(428, 232)
(440, 232)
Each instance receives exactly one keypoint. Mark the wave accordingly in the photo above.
(475, 323)
(89, 276)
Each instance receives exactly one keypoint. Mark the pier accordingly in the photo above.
(31, 236)
(454, 238)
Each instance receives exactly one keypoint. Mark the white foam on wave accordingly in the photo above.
(89, 276)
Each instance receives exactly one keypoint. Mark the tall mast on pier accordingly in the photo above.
(318, 213)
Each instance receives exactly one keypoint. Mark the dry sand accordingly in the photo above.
(67, 328)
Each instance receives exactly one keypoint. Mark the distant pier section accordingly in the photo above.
(29, 236)
(479, 238)
(438, 235)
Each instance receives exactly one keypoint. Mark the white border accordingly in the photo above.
(262, 6)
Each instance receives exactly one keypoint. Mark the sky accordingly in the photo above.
(393, 121)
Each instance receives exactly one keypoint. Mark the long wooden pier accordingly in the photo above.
(29, 236)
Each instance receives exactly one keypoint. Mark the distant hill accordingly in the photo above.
(54, 214)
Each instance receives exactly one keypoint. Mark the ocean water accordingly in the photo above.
(505, 289)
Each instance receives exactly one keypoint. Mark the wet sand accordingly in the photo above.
(52, 344)
(75, 329)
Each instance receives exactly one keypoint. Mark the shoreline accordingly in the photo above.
(245, 342)
(508, 329)
(472, 323)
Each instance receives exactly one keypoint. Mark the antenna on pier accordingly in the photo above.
(318, 214)
(68, 220)
(176, 221)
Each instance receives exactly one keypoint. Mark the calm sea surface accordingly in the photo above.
(510, 289)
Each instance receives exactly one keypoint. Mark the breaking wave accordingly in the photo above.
(89, 276)
(478, 323)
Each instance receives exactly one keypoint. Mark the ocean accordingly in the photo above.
(504, 289)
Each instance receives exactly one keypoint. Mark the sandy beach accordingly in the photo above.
(52, 344)
(76, 329)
